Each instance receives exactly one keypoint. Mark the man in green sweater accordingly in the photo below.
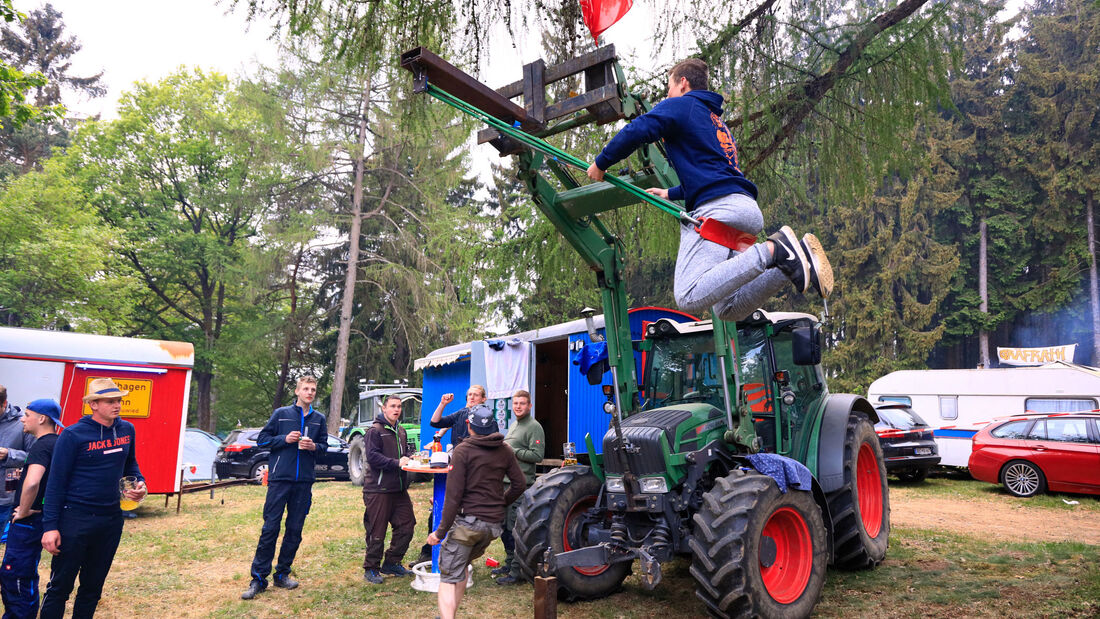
(527, 439)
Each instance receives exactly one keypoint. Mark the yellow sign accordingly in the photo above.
(1036, 356)
(135, 403)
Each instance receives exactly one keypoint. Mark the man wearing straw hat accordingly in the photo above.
(81, 520)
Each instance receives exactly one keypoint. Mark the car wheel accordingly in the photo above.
(913, 475)
(1023, 479)
(258, 471)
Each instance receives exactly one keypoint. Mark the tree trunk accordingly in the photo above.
(203, 380)
(340, 371)
(291, 335)
(1094, 286)
(983, 291)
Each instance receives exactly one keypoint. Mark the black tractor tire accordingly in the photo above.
(357, 460)
(1023, 479)
(911, 476)
(860, 509)
(548, 516)
(758, 552)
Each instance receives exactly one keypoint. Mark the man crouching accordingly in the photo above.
(474, 505)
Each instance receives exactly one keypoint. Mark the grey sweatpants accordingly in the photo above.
(710, 275)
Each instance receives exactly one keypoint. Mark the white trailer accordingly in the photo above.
(957, 403)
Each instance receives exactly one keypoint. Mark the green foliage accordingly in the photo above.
(54, 254)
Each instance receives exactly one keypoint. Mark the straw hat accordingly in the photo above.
(102, 388)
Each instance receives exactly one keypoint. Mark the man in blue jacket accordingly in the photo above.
(704, 154)
(294, 435)
(81, 518)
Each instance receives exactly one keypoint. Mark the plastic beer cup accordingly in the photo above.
(124, 502)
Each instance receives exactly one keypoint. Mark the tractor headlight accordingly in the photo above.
(616, 484)
(654, 485)
(609, 408)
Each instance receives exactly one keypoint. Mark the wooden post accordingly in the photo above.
(546, 597)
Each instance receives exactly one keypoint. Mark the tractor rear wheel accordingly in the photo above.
(554, 513)
(758, 552)
(860, 508)
(357, 460)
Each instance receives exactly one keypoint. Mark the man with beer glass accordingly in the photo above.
(82, 519)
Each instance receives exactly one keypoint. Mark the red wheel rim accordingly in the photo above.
(787, 576)
(869, 487)
(573, 529)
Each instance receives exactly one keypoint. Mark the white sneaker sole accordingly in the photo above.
(821, 268)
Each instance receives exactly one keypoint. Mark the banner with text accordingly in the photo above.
(1036, 356)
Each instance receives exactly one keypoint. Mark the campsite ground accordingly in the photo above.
(958, 548)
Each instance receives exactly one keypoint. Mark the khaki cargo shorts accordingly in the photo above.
(466, 540)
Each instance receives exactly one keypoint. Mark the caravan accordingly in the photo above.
(958, 403)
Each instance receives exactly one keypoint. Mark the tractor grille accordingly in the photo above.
(643, 431)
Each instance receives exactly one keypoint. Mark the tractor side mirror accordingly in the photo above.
(806, 342)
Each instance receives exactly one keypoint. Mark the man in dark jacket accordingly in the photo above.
(473, 511)
(293, 435)
(386, 495)
(81, 517)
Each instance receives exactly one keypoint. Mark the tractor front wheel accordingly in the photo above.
(861, 507)
(554, 513)
(357, 460)
(758, 552)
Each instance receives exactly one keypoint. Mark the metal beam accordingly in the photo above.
(425, 65)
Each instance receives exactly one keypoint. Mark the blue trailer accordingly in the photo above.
(566, 405)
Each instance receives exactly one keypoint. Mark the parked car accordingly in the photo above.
(239, 456)
(907, 443)
(1031, 454)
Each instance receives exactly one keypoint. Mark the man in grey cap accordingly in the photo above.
(473, 511)
(14, 445)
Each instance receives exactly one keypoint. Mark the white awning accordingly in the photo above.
(439, 360)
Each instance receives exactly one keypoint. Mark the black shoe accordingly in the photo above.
(790, 258)
(373, 577)
(500, 571)
(821, 271)
(507, 579)
(394, 569)
(254, 589)
(285, 582)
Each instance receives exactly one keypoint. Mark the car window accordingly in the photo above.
(1065, 430)
(901, 399)
(1014, 429)
(900, 418)
(334, 441)
(253, 437)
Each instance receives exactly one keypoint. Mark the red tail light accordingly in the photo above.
(236, 448)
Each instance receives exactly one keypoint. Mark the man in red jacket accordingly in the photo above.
(475, 504)
(386, 495)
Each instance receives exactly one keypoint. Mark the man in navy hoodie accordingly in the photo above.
(294, 435)
(81, 518)
(704, 154)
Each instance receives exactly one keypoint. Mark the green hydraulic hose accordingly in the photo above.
(549, 149)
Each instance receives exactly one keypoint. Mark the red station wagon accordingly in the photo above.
(1032, 454)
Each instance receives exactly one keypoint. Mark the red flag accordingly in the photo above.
(599, 15)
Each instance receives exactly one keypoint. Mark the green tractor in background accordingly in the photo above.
(693, 461)
(371, 398)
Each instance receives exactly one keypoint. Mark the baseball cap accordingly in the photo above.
(47, 407)
(482, 420)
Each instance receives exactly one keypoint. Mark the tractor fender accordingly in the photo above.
(830, 449)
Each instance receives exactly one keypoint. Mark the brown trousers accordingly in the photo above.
(387, 508)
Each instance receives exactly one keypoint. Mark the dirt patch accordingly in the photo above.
(1004, 522)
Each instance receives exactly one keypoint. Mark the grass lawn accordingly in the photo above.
(196, 565)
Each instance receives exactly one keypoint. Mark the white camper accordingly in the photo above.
(957, 403)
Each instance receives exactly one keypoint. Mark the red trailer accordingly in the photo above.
(54, 364)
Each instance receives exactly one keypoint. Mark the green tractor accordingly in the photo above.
(674, 479)
(733, 453)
